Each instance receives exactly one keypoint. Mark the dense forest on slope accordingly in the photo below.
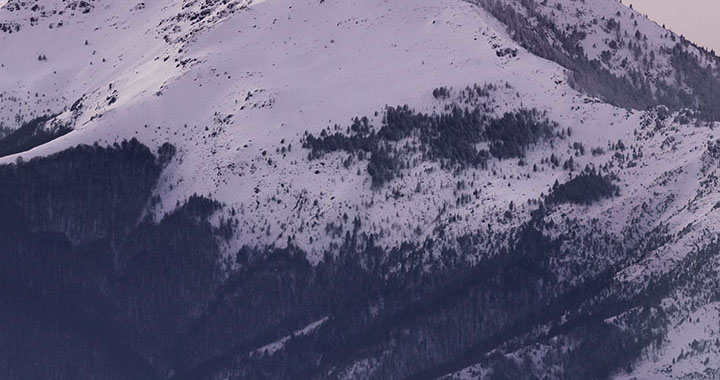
(98, 290)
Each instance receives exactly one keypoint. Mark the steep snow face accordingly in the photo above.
(60, 56)
(619, 38)
(89, 52)
(234, 88)
(615, 52)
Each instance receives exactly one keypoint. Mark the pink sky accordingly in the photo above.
(697, 20)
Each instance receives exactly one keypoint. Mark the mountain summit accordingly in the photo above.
(376, 189)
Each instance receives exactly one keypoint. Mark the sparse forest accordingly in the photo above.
(693, 86)
(450, 138)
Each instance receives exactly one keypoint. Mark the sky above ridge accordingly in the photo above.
(697, 20)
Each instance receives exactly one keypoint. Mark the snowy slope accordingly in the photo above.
(235, 85)
(631, 41)
(241, 96)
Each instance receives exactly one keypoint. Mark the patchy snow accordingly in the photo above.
(690, 350)
(275, 70)
(272, 348)
(618, 38)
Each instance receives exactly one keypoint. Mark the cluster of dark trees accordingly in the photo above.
(585, 188)
(475, 95)
(441, 93)
(512, 134)
(360, 137)
(82, 5)
(4, 131)
(8, 27)
(507, 52)
(468, 95)
(450, 138)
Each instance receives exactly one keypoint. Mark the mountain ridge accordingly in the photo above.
(434, 152)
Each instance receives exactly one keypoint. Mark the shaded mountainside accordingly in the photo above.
(97, 290)
(615, 53)
(30, 135)
(78, 281)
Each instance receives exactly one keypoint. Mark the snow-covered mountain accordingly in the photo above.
(356, 189)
